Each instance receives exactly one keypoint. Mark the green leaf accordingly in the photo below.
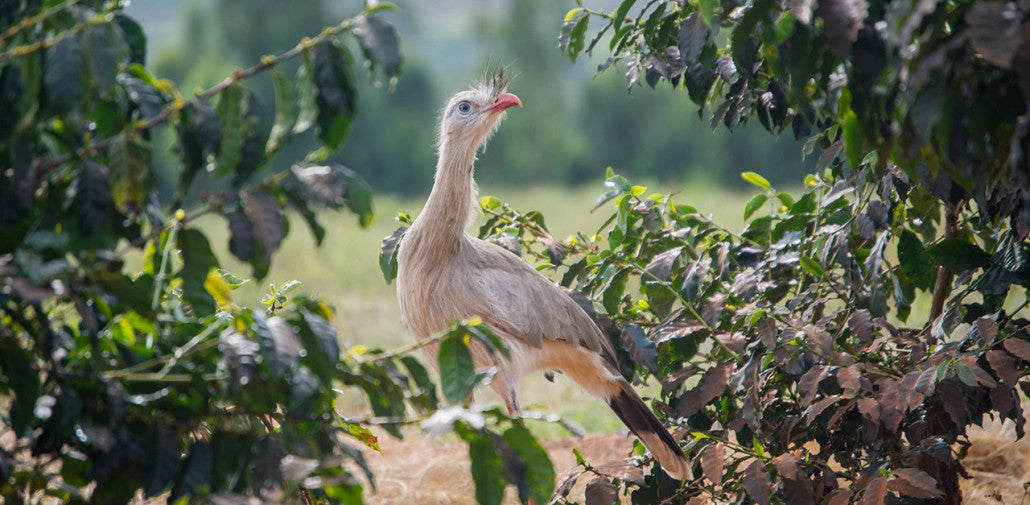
(232, 104)
(421, 378)
(754, 204)
(707, 9)
(129, 163)
(306, 103)
(810, 266)
(285, 107)
(914, 261)
(756, 179)
(457, 373)
(335, 95)
(16, 367)
(853, 140)
(573, 32)
(162, 462)
(379, 44)
(92, 196)
(958, 255)
(65, 75)
(196, 471)
(105, 50)
(539, 470)
(198, 260)
(320, 342)
(266, 216)
(614, 290)
(388, 254)
(134, 37)
(487, 469)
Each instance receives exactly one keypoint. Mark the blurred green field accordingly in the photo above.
(344, 271)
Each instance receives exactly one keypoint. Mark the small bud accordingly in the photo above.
(180, 215)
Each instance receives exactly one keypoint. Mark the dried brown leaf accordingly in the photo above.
(870, 408)
(818, 407)
(766, 329)
(712, 384)
(987, 328)
(861, 325)
(1018, 347)
(820, 338)
(566, 480)
(808, 384)
(699, 500)
(837, 497)
(712, 462)
(756, 482)
(622, 469)
(915, 483)
(601, 492)
(850, 380)
(875, 493)
(786, 465)
(660, 267)
(1004, 365)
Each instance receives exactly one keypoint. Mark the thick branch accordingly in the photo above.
(942, 287)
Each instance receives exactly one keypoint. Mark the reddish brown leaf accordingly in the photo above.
(926, 382)
(954, 401)
(850, 380)
(915, 483)
(756, 482)
(766, 329)
(861, 325)
(1003, 399)
(875, 493)
(712, 462)
(1004, 365)
(869, 408)
(699, 500)
(786, 465)
(1020, 348)
(837, 497)
(987, 328)
(712, 384)
(566, 480)
(820, 338)
(601, 492)
(622, 469)
(982, 376)
(818, 407)
(809, 383)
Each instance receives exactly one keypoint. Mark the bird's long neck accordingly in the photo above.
(448, 208)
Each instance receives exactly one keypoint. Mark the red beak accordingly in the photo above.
(504, 101)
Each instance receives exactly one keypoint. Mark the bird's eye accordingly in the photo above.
(464, 107)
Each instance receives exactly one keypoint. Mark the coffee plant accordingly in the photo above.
(121, 382)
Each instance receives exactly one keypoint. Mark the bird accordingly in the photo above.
(445, 274)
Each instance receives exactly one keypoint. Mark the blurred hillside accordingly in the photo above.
(573, 126)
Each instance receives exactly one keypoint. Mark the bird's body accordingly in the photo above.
(444, 274)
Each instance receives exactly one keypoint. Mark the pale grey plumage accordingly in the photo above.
(444, 274)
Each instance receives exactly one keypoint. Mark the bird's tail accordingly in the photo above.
(640, 420)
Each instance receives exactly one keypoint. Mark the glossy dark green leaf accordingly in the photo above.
(16, 366)
(197, 260)
(195, 471)
(231, 109)
(539, 470)
(162, 463)
(958, 255)
(457, 374)
(613, 291)
(914, 262)
(380, 45)
(320, 342)
(285, 109)
(105, 51)
(388, 254)
(335, 95)
(65, 75)
(129, 164)
(421, 377)
(92, 196)
(132, 34)
(487, 469)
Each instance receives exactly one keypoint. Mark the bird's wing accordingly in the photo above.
(516, 299)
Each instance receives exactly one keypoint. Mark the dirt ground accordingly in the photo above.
(433, 470)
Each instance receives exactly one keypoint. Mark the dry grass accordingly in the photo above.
(998, 464)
